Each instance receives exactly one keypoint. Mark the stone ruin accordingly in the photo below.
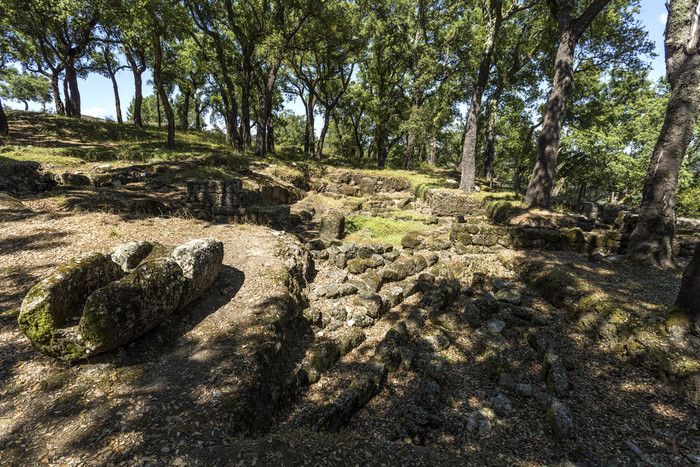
(227, 201)
(97, 302)
(24, 177)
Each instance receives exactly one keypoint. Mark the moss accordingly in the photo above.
(380, 230)
(290, 174)
(503, 211)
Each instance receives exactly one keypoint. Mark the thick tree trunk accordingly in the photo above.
(540, 187)
(4, 127)
(162, 94)
(652, 238)
(689, 295)
(490, 150)
(264, 112)
(73, 101)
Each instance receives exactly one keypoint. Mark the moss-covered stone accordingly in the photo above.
(131, 306)
(57, 301)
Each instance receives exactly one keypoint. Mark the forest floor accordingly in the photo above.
(163, 400)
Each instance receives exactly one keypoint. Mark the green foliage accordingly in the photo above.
(24, 87)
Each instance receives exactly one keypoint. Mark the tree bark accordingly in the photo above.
(137, 71)
(570, 29)
(270, 134)
(416, 102)
(433, 150)
(264, 111)
(56, 91)
(310, 131)
(115, 87)
(184, 123)
(73, 101)
(689, 294)
(652, 238)
(245, 101)
(382, 145)
(4, 127)
(490, 150)
(158, 53)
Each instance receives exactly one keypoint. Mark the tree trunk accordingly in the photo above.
(73, 101)
(160, 119)
(490, 151)
(138, 88)
(416, 101)
(264, 112)
(310, 131)
(245, 101)
(4, 127)
(540, 187)
(270, 135)
(184, 123)
(433, 150)
(322, 137)
(652, 238)
(382, 146)
(56, 91)
(161, 93)
(197, 113)
(468, 164)
(117, 102)
(689, 295)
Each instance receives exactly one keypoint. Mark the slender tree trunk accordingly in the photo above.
(382, 145)
(56, 91)
(185, 124)
(197, 114)
(158, 108)
(490, 151)
(161, 93)
(652, 238)
(310, 131)
(73, 102)
(468, 164)
(416, 101)
(264, 112)
(117, 102)
(66, 99)
(540, 187)
(324, 130)
(138, 88)
(433, 149)
(356, 135)
(245, 101)
(4, 127)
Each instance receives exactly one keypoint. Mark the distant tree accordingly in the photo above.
(24, 87)
(652, 238)
(290, 129)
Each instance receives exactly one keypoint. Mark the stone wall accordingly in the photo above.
(569, 239)
(23, 177)
(227, 201)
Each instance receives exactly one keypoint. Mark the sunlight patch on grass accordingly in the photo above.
(379, 229)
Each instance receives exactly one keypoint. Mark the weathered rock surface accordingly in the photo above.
(99, 301)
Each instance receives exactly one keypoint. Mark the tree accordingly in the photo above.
(104, 62)
(652, 238)
(571, 29)
(65, 34)
(24, 87)
(493, 17)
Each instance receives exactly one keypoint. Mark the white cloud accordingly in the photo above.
(662, 18)
(98, 112)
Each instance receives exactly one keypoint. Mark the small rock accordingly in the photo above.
(496, 326)
(451, 184)
(507, 382)
(500, 284)
(509, 296)
(502, 405)
(524, 389)
(559, 418)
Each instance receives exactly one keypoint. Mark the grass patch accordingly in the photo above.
(207, 173)
(380, 230)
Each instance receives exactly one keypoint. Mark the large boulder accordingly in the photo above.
(200, 261)
(99, 301)
(54, 305)
(125, 309)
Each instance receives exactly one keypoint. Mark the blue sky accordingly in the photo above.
(98, 98)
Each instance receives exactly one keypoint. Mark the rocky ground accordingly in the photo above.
(379, 348)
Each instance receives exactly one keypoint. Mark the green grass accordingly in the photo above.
(379, 229)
